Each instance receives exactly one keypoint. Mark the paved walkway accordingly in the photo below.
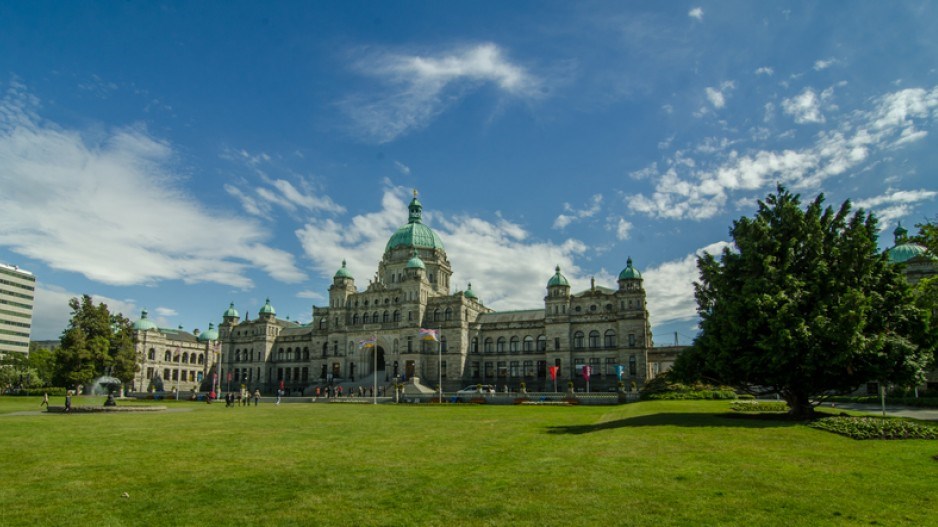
(925, 414)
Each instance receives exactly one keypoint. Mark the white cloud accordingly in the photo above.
(312, 295)
(566, 219)
(823, 64)
(418, 88)
(894, 204)
(805, 107)
(696, 13)
(109, 206)
(623, 229)
(765, 70)
(506, 269)
(701, 192)
(402, 168)
(717, 96)
(166, 311)
(670, 286)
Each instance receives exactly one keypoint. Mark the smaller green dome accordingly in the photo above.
(468, 292)
(416, 262)
(268, 309)
(231, 312)
(343, 272)
(558, 279)
(144, 324)
(630, 273)
(208, 335)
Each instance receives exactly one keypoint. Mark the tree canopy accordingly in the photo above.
(95, 342)
(805, 305)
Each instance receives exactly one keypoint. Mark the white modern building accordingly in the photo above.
(17, 295)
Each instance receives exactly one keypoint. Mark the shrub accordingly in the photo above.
(876, 428)
(759, 406)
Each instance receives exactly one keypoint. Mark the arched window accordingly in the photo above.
(322, 323)
(436, 315)
(201, 358)
(397, 316)
(375, 318)
(305, 353)
(355, 319)
(296, 354)
(237, 355)
(152, 354)
(386, 318)
(528, 343)
(488, 345)
(192, 358)
(578, 340)
(514, 344)
(609, 339)
(366, 319)
(185, 356)
(594, 339)
(442, 344)
(280, 354)
(500, 345)
(633, 367)
(448, 315)
(167, 356)
(541, 343)
(474, 347)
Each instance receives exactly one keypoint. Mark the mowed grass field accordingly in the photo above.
(652, 463)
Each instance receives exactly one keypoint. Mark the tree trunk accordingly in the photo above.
(799, 406)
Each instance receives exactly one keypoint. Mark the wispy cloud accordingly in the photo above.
(765, 70)
(417, 88)
(110, 207)
(701, 191)
(696, 13)
(571, 215)
(717, 96)
(806, 106)
(402, 168)
(823, 64)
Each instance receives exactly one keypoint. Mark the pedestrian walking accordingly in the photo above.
(45, 400)
(68, 401)
(257, 396)
(279, 396)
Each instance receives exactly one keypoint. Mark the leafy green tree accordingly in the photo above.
(806, 305)
(94, 343)
(42, 361)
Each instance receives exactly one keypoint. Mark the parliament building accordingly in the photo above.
(600, 327)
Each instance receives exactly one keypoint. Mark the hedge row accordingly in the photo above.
(690, 394)
(759, 406)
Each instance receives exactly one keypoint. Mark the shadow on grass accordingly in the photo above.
(692, 420)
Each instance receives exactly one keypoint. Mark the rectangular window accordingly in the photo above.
(513, 370)
(443, 368)
(475, 369)
(595, 368)
(556, 343)
(502, 369)
(489, 370)
(528, 368)
(578, 364)
(631, 340)
(610, 366)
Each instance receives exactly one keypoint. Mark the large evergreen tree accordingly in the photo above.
(805, 305)
(94, 343)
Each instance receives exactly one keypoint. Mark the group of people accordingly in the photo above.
(242, 399)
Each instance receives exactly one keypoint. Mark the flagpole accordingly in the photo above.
(374, 388)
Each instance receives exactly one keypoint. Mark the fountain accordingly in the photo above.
(105, 385)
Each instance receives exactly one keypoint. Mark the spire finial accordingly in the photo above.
(415, 193)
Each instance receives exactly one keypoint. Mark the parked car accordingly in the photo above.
(474, 388)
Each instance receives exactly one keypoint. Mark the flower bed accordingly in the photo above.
(876, 428)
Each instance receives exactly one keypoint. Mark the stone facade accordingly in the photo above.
(600, 327)
(172, 359)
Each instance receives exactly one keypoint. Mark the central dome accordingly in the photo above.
(415, 233)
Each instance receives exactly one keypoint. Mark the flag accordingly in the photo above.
(620, 369)
(553, 372)
(429, 334)
(367, 343)
(586, 373)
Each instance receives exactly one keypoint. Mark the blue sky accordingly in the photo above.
(178, 156)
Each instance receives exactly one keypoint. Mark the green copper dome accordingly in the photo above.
(208, 335)
(558, 279)
(630, 273)
(415, 233)
(907, 251)
(904, 250)
(230, 312)
(468, 292)
(343, 272)
(268, 309)
(416, 262)
(144, 324)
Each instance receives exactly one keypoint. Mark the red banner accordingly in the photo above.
(586, 373)
(553, 372)
(281, 384)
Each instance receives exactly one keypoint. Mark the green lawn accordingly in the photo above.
(654, 463)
